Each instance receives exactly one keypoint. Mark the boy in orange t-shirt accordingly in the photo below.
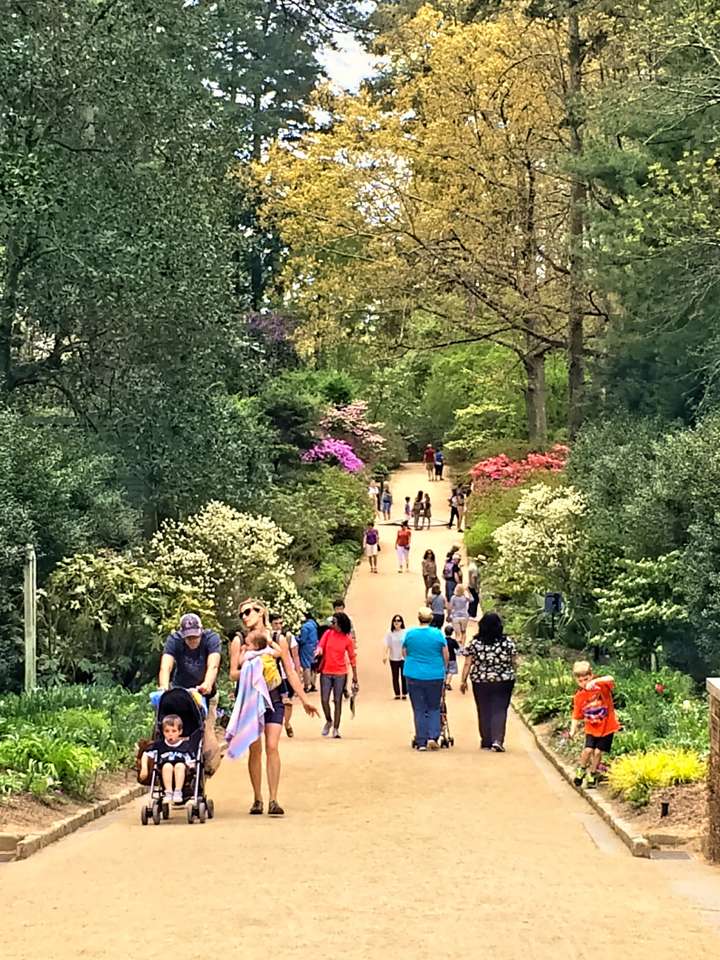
(593, 705)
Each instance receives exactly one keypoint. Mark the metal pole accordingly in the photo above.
(30, 593)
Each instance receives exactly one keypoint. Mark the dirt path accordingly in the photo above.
(384, 851)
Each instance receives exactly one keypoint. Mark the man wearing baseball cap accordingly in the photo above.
(191, 659)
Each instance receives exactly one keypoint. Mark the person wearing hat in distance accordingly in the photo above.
(191, 659)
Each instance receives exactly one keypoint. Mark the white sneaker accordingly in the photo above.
(336, 734)
(177, 796)
(168, 798)
(433, 745)
(326, 729)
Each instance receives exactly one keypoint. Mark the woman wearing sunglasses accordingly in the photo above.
(254, 616)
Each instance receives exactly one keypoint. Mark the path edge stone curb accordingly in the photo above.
(638, 845)
(30, 843)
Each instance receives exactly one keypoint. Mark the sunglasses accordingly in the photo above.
(248, 610)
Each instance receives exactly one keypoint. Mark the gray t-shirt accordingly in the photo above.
(437, 604)
(459, 608)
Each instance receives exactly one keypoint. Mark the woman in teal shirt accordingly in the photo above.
(426, 657)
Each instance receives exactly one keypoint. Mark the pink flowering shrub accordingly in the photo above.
(350, 423)
(334, 451)
(511, 473)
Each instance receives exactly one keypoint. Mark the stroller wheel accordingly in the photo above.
(165, 811)
(144, 816)
(210, 808)
(190, 813)
(156, 813)
(201, 811)
(451, 742)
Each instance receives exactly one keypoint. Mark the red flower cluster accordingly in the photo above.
(511, 473)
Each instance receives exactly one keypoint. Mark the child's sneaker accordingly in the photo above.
(592, 781)
(579, 776)
(168, 798)
(177, 796)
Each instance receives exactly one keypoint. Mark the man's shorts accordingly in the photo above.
(599, 743)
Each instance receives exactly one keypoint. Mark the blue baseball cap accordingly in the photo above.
(190, 625)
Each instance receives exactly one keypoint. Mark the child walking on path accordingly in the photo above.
(453, 647)
(593, 705)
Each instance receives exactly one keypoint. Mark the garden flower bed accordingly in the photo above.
(656, 774)
(62, 747)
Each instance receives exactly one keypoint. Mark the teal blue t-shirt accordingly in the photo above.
(424, 654)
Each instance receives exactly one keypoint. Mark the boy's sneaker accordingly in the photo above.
(579, 776)
(168, 798)
(592, 781)
(177, 796)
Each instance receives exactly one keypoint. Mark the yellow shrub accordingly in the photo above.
(636, 775)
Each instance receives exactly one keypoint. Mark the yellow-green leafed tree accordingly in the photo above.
(442, 196)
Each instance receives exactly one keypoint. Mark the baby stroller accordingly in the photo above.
(181, 702)
(445, 741)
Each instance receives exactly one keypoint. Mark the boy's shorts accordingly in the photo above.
(599, 743)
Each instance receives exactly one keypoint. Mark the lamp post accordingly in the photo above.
(30, 596)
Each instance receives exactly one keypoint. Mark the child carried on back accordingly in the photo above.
(173, 755)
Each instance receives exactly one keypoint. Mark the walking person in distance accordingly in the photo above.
(402, 546)
(429, 570)
(417, 509)
(427, 512)
(429, 461)
(371, 545)
(438, 605)
(386, 501)
(490, 661)
(393, 650)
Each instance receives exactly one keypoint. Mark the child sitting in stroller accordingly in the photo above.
(173, 754)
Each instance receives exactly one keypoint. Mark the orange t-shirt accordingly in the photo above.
(403, 537)
(597, 709)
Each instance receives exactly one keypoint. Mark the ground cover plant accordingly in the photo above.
(59, 741)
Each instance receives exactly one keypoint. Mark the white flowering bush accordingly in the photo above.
(538, 549)
(229, 556)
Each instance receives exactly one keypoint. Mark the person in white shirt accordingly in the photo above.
(394, 640)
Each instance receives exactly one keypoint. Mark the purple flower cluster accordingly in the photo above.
(334, 450)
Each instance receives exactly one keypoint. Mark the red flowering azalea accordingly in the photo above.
(511, 473)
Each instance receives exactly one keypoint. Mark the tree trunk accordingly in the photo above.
(576, 233)
(535, 398)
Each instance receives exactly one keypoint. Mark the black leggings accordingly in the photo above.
(398, 677)
(332, 683)
(492, 701)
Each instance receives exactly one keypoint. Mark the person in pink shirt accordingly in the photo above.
(336, 649)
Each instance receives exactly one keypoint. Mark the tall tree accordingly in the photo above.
(441, 194)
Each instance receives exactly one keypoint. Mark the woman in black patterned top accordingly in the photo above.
(490, 662)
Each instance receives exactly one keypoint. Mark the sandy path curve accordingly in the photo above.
(384, 852)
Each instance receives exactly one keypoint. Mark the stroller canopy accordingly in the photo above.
(181, 701)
